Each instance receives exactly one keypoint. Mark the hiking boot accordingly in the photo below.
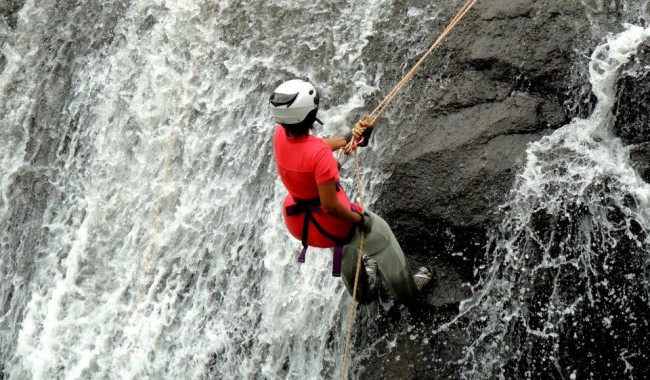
(422, 278)
(372, 269)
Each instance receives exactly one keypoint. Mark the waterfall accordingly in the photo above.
(143, 233)
(567, 271)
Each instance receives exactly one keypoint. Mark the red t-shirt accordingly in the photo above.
(304, 163)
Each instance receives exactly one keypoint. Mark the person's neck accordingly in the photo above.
(294, 136)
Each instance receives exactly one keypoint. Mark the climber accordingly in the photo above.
(317, 210)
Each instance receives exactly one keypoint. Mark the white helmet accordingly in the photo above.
(294, 102)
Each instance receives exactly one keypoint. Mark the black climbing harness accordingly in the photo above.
(309, 207)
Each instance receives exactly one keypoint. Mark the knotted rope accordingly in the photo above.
(357, 132)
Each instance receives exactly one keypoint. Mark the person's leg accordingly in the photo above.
(381, 245)
(349, 270)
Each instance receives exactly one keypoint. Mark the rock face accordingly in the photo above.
(8, 10)
(508, 78)
(640, 155)
(8, 16)
(632, 123)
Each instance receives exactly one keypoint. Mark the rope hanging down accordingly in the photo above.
(367, 122)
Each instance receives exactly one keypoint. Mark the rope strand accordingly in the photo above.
(353, 306)
(369, 120)
(400, 85)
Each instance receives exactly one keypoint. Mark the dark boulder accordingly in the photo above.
(640, 155)
(509, 74)
(632, 111)
(502, 79)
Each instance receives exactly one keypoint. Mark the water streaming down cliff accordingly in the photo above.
(566, 290)
(143, 234)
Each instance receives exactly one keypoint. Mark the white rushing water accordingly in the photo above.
(571, 256)
(142, 232)
(145, 237)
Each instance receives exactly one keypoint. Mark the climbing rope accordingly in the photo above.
(368, 120)
(357, 132)
(353, 307)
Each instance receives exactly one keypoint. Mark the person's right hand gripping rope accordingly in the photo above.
(360, 134)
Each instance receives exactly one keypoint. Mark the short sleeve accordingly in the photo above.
(325, 167)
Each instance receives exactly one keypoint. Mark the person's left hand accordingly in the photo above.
(365, 224)
(365, 137)
(360, 134)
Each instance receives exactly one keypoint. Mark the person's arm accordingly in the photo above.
(331, 204)
(335, 143)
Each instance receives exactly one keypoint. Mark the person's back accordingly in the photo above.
(303, 163)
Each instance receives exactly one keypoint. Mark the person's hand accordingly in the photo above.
(365, 224)
(362, 131)
(365, 137)
(360, 135)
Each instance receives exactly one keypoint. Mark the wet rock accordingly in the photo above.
(9, 11)
(503, 79)
(8, 18)
(48, 134)
(500, 81)
(640, 156)
(632, 111)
